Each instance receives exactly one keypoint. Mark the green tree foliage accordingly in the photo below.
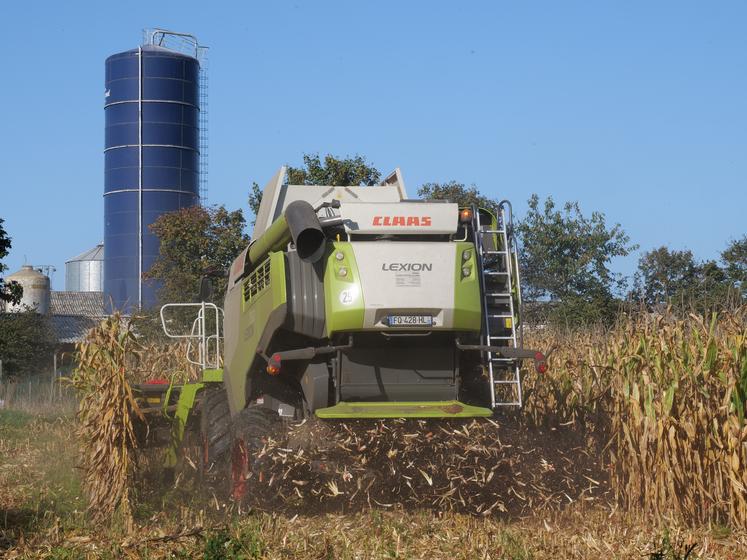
(664, 274)
(255, 198)
(676, 278)
(196, 242)
(333, 171)
(565, 259)
(10, 292)
(457, 192)
(26, 343)
(734, 259)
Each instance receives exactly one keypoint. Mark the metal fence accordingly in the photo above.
(40, 394)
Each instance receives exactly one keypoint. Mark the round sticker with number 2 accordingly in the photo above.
(347, 297)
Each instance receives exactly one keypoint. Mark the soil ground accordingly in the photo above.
(405, 489)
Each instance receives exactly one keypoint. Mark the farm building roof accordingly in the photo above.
(83, 304)
(73, 314)
(69, 329)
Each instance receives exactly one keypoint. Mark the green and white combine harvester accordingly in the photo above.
(350, 302)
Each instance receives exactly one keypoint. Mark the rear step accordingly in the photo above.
(425, 409)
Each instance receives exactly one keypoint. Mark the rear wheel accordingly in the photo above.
(215, 432)
(250, 429)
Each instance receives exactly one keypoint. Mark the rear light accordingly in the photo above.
(465, 215)
(157, 382)
(273, 365)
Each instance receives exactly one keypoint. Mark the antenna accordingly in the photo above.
(47, 270)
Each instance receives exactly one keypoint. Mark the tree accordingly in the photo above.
(457, 192)
(565, 259)
(333, 171)
(10, 292)
(26, 342)
(663, 275)
(195, 242)
(734, 259)
(675, 278)
(255, 198)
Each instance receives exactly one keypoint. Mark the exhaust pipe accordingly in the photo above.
(300, 224)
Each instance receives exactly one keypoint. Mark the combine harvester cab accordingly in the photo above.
(355, 302)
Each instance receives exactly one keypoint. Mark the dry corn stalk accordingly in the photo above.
(105, 413)
(108, 362)
(669, 395)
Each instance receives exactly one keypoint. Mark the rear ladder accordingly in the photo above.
(498, 263)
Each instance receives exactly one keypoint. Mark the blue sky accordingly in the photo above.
(635, 109)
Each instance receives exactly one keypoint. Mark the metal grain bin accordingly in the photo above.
(85, 273)
(151, 162)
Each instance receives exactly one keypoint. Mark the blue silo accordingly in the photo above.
(151, 162)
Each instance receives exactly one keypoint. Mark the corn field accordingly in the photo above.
(667, 396)
(654, 406)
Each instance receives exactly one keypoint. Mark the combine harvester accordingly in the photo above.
(350, 302)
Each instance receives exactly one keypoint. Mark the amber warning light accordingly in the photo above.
(273, 364)
(465, 215)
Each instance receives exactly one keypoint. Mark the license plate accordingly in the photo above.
(410, 321)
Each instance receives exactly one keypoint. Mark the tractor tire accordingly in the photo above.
(215, 432)
(250, 429)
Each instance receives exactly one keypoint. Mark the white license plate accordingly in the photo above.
(410, 321)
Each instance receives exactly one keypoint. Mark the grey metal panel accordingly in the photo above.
(84, 276)
(270, 194)
(398, 374)
(72, 276)
(395, 179)
(315, 386)
(305, 296)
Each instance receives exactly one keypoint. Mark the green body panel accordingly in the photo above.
(275, 238)
(212, 376)
(255, 318)
(467, 302)
(183, 407)
(493, 226)
(426, 409)
(277, 279)
(343, 297)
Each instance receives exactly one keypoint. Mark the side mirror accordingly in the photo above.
(206, 289)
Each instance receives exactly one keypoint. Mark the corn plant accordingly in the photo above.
(669, 395)
(105, 413)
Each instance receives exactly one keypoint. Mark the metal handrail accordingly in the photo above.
(206, 359)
